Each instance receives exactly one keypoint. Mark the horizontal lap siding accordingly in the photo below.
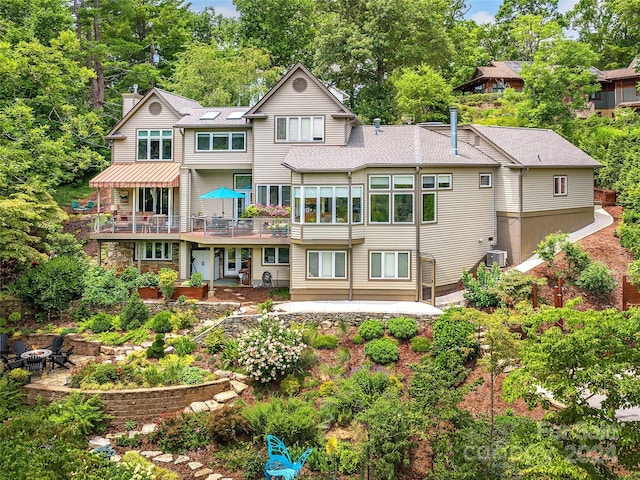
(126, 150)
(299, 270)
(465, 215)
(221, 159)
(506, 183)
(269, 155)
(203, 181)
(538, 189)
(279, 273)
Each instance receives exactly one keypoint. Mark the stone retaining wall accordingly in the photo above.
(80, 346)
(235, 325)
(140, 405)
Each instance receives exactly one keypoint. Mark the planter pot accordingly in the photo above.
(197, 293)
(148, 293)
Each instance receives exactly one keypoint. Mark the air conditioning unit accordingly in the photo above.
(497, 256)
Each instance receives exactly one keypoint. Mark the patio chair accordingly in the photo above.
(12, 364)
(75, 205)
(19, 348)
(4, 344)
(62, 358)
(56, 345)
(90, 205)
(35, 363)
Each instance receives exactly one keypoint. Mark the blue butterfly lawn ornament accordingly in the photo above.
(280, 463)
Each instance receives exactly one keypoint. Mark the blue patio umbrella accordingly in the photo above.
(222, 193)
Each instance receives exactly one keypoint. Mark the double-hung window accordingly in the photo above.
(155, 144)
(299, 129)
(393, 265)
(430, 184)
(220, 141)
(560, 187)
(274, 195)
(391, 198)
(326, 264)
(327, 204)
(275, 256)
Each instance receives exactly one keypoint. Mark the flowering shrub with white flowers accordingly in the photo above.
(270, 350)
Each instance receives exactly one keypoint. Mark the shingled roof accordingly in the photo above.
(394, 146)
(536, 147)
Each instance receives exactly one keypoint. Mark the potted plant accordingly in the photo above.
(195, 287)
(279, 229)
(148, 286)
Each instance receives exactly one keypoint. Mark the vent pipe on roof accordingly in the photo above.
(453, 110)
(376, 123)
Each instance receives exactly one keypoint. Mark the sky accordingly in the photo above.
(482, 11)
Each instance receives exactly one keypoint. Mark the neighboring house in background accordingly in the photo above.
(396, 212)
(495, 78)
(619, 88)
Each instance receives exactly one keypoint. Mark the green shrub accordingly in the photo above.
(156, 350)
(214, 341)
(308, 359)
(293, 421)
(130, 276)
(577, 259)
(280, 292)
(129, 442)
(550, 245)
(135, 313)
(78, 415)
(192, 376)
(289, 385)
(167, 279)
(51, 285)
(420, 344)
(19, 375)
(514, 286)
(349, 459)
(139, 468)
(381, 351)
(596, 279)
(326, 342)
(227, 424)
(480, 290)
(161, 322)
(453, 332)
(15, 317)
(230, 353)
(370, 329)
(327, 388)
(101, 322)
(103, 288)
(357, 339)
(266, 306)
(343, 355)
(184, 346)
(147, 279)
(11, 397)
(182, 432)
(183, 319)
(402, 327)
(196, 280)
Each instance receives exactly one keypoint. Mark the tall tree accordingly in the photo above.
(230, 76)
(284, 28)
(422, 93)
(360, 43)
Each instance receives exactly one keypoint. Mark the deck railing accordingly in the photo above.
(240, 227)
(136, 223)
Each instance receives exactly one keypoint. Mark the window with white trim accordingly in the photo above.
(326, 264)
(392, 265)
(560, 187)
(220, 141)
(429, 207)
(155, 144)
(275, 256)
(274, 195)
(327, 204)
(299, 129)
(485, 180)
(391, 198)
(154, 251)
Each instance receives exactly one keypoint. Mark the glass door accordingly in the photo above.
(235, 259)
(242, 183)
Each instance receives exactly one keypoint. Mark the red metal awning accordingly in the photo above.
(139, 174)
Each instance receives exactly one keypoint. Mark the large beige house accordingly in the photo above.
(391, 212)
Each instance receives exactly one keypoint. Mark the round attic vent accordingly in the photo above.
(155, 108)
(299, 84)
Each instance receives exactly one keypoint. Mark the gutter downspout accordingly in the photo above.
(522, 173)
(418, 210)
(350, 244)
(495, 208)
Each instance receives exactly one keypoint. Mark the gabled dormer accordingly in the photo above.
(146, 131)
